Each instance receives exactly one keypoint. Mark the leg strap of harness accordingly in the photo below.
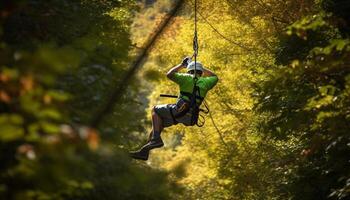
(173, 116)
(184, 110)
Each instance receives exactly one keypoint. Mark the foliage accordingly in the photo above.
(313, 98)
(58, 63)
(280, 109)
(279, 121)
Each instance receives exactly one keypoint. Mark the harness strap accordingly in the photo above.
(206, 111)
(184, 111)
(173, 116)
(186, 94)
(189, 96)
(200, 121)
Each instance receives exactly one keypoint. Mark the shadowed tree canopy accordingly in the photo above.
(78, 79)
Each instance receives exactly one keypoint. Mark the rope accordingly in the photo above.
(195, 42)
(217, 128)
(195, 53)
(245, 20)
(223, 36)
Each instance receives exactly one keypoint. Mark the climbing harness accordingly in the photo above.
(191, 106)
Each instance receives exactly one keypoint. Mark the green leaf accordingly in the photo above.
(11, 127)
(49, 127)
(49, 113)
(327, 90)
(29, 103)
(58, 95)
(340, 44)
(87, 185)
(12, 73)
(33, 134)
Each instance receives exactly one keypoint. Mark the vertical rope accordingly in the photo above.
(195, 40)
(195, 49)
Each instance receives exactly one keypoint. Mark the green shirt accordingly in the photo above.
(186, 83)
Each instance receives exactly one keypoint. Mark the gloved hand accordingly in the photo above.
(186, 60)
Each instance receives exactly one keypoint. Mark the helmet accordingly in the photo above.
(199, 66)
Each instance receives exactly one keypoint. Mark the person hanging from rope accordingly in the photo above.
(193, 86)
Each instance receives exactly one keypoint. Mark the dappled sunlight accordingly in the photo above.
(79, 81)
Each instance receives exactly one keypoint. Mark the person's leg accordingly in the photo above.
(157, 124)
(154, 139)
(157, 127)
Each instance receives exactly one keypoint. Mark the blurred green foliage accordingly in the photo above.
(59, 61)
(308, 98)
(280, 127)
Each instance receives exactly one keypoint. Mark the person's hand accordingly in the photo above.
(185, 61)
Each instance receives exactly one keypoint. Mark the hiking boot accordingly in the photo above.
(141, 154)
(153, 143)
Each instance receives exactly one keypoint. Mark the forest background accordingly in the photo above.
(280, 114)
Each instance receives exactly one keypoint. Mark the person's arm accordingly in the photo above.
(210, 78)
(172, 71)
(177, 68)
(207, 72)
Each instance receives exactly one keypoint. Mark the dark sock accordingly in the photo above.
(150, 136)
(156, 135)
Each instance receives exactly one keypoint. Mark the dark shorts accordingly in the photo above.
(164, 111)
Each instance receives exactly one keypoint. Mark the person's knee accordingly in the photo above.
(154, 111)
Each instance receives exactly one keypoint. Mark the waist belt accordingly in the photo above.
(189, 95)
(183, 108)
(194, 109)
